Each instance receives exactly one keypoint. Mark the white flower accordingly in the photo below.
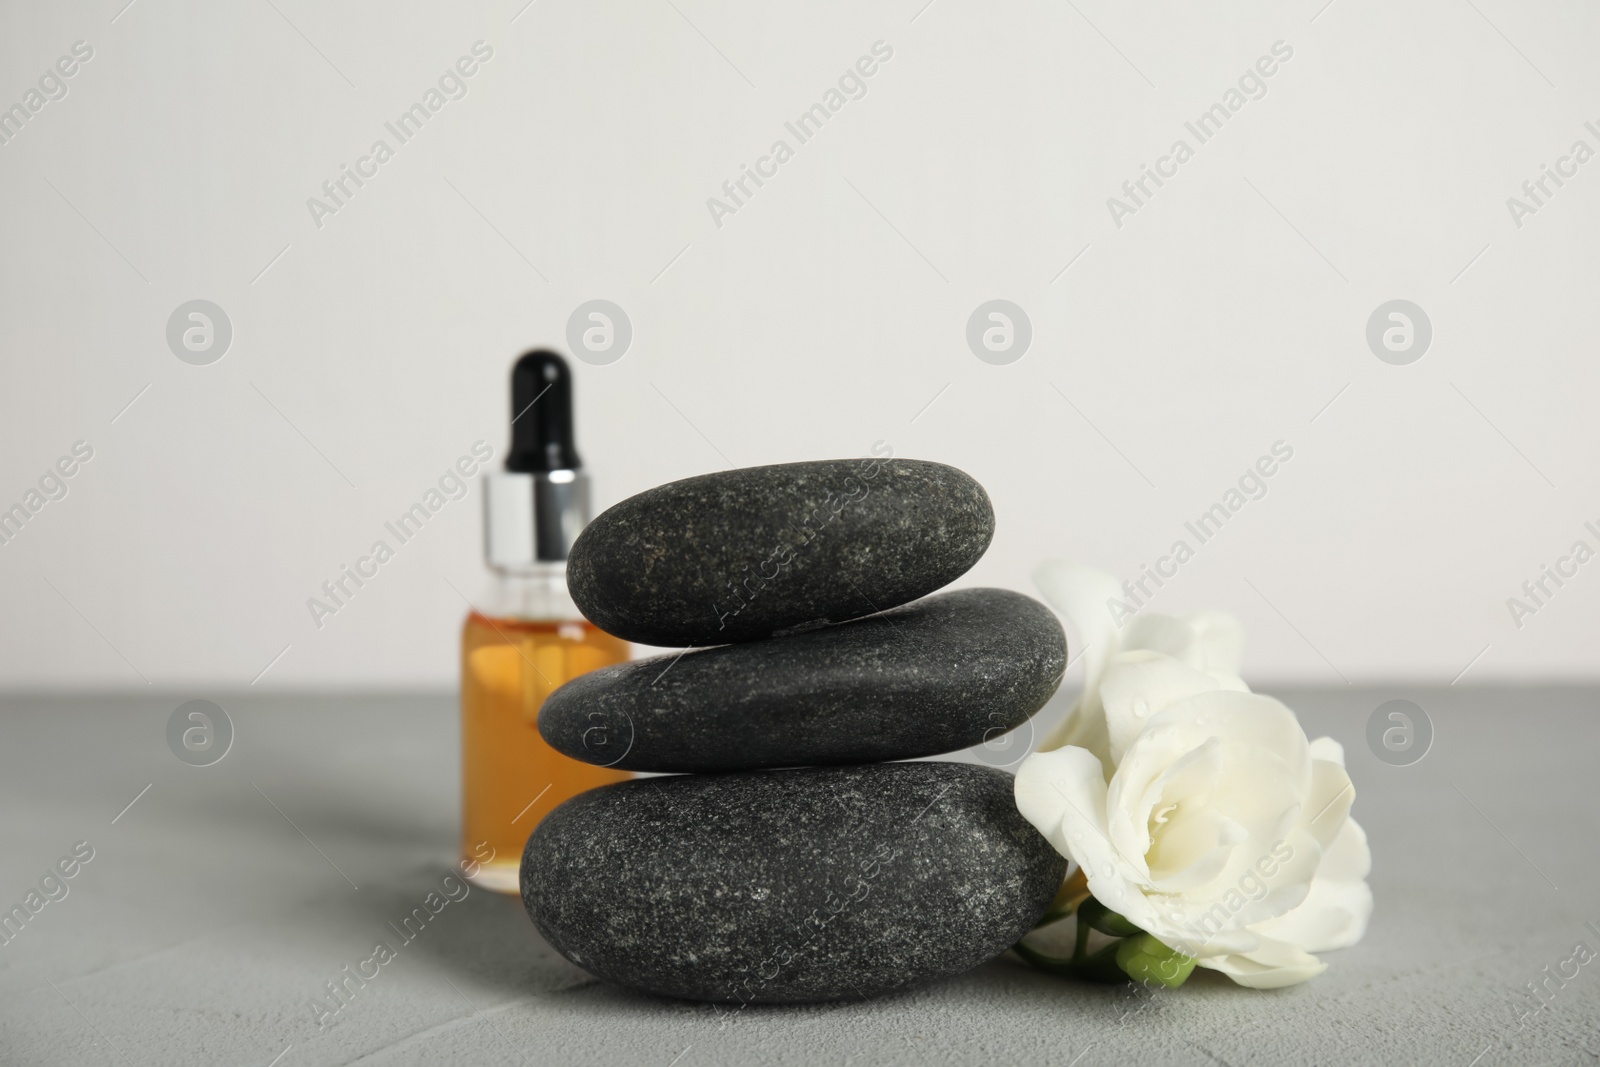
(1195, 808)
(1097, 607)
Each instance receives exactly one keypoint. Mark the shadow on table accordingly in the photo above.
(483, 937)
(486, 939)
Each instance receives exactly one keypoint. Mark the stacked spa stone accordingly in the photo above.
(795, 588)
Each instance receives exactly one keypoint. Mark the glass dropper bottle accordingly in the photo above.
(527, 637)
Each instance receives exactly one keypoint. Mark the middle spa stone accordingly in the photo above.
(940, 674)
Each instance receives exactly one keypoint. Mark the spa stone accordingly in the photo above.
(789, 886)
(768, 551)
(943, 673)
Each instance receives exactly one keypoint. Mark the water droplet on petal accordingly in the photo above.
(1202, 720)
(1140, 709)
(1108, 870)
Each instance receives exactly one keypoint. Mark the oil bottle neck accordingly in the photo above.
(535, 591)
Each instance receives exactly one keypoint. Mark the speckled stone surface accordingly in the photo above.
(944, 673)
(789, 886)
(750, 553)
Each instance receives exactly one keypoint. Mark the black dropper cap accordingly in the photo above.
(541, 415)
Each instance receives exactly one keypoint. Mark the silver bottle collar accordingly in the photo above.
(532, 518)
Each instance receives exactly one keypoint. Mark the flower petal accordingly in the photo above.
(1080, 593)
(1205, 640)
(1329, 749)
(1339, 904)
(1139, 828)
(1218, 642)
(1272, 965)
(1251, 806)
(1139, 683)
(1200, 928)
(1328, 802)
(1244, 721)
(1063, 794)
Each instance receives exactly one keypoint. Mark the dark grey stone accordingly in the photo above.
(766, 551)
(940, 674)
(789, 886)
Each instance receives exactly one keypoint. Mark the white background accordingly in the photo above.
(826, 315)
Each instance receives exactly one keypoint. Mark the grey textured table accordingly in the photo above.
(218, 905)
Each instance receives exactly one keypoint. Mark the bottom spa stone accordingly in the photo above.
(789, 886)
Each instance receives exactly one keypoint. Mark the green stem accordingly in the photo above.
(1045, 962)
(1100, 966)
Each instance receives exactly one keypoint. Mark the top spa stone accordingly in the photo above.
(768, 551)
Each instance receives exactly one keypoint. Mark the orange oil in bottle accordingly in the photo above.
(511, 779)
